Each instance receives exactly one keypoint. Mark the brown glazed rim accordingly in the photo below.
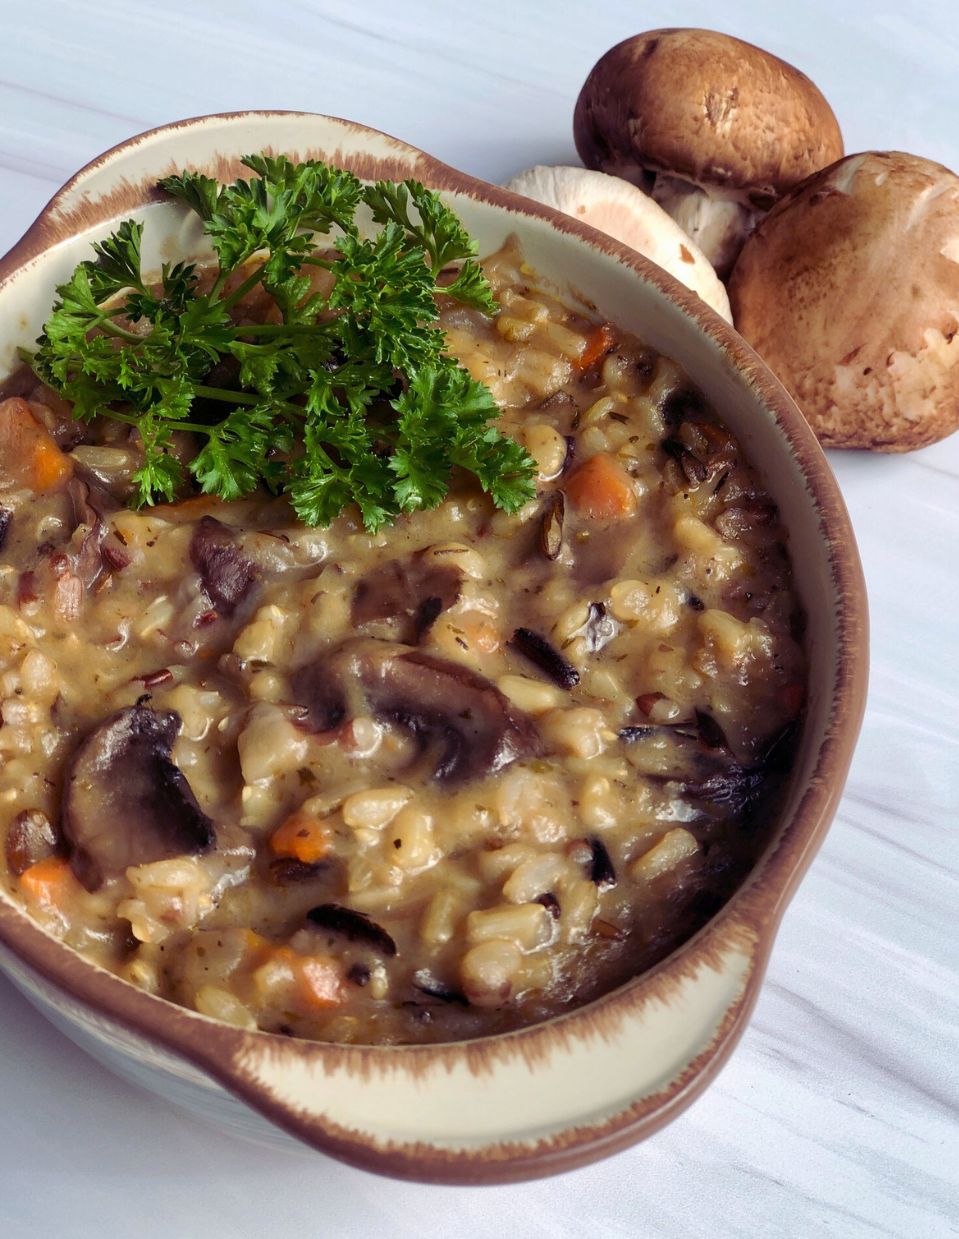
(748, 922)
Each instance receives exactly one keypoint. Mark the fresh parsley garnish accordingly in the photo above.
(346, 395)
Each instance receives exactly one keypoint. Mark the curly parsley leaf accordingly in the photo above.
(344, 396)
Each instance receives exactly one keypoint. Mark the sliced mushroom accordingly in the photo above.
(225, 571)
(30, 839)
(125, 802)
(5, 518)
(461, 718)
(100, 548)
(409, 594)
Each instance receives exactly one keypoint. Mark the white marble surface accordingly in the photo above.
(837, 1114)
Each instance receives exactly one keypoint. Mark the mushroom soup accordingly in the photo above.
(420, 785)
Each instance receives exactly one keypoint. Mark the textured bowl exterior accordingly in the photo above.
(586, 1083)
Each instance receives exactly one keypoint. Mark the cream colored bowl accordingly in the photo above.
(594, 1080)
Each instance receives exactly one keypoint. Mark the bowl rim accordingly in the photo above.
(750, 917)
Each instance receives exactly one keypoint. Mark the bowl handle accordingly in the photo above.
(530, 1103)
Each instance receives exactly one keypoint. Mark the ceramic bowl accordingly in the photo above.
(596, 1079)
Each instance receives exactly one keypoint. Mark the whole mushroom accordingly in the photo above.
(715, 129)
(849, 289)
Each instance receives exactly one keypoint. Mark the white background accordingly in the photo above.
(837, 1114)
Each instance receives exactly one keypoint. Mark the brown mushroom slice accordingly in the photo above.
(408, 594)
(226, 573)
(125, 802)
(715, 129)
(100, 548)
(30, 839)
(849, 289)
(462, 720)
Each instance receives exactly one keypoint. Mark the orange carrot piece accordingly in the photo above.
(598, 343)
(28, 451)
(303, 837)
(49, 882)
(49, 466)
(318, 979)
(255, 943)
(321, 981)
(601, 489)
(479, 632)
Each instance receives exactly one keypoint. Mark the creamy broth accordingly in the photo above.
(421, 785)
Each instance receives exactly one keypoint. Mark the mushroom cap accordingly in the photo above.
(849, 289)
(125, 802)
(468, 728)
(628, 215)
(708, 108)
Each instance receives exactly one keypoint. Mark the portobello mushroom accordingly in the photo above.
(461, 719)
(125, 802)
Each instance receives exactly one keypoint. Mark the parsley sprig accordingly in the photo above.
(349, 398)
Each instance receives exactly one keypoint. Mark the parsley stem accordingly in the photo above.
(274, 329)
(110, 328)
(223, 393)
(239, 293)
(241, 397)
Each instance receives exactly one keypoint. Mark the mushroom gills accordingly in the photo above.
(628, 215)
(463, 723)
(718, 223)
(126, 802)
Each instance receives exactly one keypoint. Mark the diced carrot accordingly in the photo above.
(317, 979)
(479, 632)
(321, 981)
(50, 882)
(601, 489)
(303, 837)
(49, 465)
(598, 343)
(253, 941)
(28, 451)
